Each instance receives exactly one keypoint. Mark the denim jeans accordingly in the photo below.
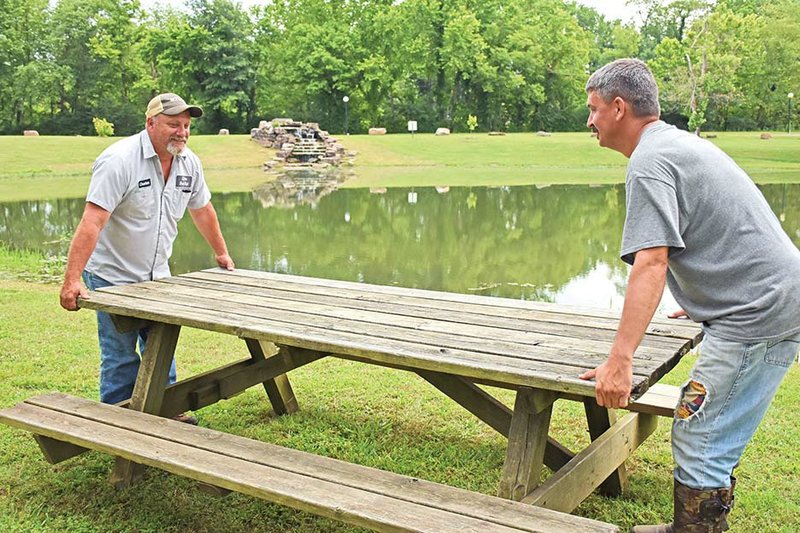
(727, 394)
(119, 361)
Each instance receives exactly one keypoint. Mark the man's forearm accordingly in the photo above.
(205, 219)
(614, 378)
(645, 288)
(81, 248)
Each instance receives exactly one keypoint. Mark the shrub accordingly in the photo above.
(103, 127)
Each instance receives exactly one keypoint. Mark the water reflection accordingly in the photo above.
(557, 243)
(298, 186)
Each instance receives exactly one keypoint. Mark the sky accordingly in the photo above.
(612, 9)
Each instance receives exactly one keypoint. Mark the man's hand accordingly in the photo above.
(613, 382)
(80, 249)
(680, 313)
(225, 261)
(69, 294)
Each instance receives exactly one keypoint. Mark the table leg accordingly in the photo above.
(279, 390)
(148, 393)
(527, 440)
(600, 420)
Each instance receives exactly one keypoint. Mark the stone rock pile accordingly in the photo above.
(299, 143)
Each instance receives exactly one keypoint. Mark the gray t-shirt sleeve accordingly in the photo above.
(652, 218)
(109, 182)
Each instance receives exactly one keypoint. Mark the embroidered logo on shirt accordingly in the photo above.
(184, 182)
(144, 183)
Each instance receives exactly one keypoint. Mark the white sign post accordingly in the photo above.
(412, 126)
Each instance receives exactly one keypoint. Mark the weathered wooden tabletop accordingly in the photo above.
(498, 341)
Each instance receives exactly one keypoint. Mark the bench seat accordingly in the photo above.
(660, 399)
(358, 495)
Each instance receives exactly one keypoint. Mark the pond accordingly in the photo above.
(556, 243)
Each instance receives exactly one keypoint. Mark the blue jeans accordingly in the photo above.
(119, 361)
(727, 394)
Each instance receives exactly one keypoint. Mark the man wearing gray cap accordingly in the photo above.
(141, 187)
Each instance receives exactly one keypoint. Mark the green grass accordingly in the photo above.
(30, 266)
(48, 167)
(368, 415)
(525, 158)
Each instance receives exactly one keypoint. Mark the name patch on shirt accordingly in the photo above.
(144, 183)
(184, 182)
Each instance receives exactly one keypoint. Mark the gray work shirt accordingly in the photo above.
(127, 181)
(731, 265)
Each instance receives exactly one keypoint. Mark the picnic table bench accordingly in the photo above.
(458, 343)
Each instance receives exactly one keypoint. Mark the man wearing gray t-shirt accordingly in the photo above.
(141, 187)
(696, 222)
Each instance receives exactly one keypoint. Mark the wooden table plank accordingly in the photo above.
(558, 362)
(560, 314)
(406, 355)
(410, 307)
(321, 497)
(486, 339)
(545, 348)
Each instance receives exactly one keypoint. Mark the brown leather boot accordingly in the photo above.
(696, 511)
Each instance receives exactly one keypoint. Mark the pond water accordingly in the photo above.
(557, 243)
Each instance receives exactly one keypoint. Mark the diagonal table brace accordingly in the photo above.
(568, 487)
(279, 390)
(491, 411)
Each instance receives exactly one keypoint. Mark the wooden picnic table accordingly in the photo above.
(454, 341)
(457, 342)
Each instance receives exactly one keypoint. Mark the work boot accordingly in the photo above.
(696, 511)
(186, 418)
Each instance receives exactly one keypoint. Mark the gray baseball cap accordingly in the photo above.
(171, 104)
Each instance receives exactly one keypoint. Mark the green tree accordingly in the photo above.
(465, 64)
(769, 70)
(610, 39)
(23, 58)
(307, 60)
(666, 20)
(95, 45)
(699, 74)
(208, 57)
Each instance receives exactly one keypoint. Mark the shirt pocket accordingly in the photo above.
(142, 202)
(180, 201)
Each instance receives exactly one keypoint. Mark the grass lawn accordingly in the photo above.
(368, 415)
(524, 158)
(49, 167)
(46, 167)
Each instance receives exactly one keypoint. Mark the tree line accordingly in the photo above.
(515, 65)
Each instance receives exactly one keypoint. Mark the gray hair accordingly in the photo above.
(631, 80)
